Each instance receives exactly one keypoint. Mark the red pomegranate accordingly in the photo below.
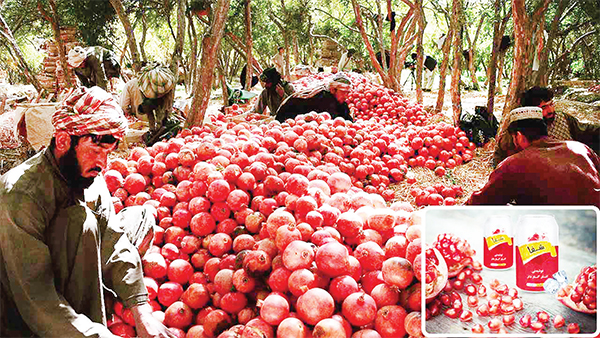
(581, 295)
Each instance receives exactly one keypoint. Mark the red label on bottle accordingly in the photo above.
(536, 262)
(498, 252)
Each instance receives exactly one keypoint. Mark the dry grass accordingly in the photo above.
(470, 176)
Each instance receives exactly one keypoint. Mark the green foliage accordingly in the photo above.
(93, 18)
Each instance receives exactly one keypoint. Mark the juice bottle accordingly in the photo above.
(536, 251)
(498, 243)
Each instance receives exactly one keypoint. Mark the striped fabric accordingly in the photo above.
(155, 81)
(90, 111)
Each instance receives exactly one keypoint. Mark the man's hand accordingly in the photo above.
(146, 325)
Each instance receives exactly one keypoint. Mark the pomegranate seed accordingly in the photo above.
(525, 321)
(452, 313)
(573, 328)
(445, 299)
(428, 315)
(466, 316)
(476, 278)
(559, 321)
(493, 295)
(508, 319)
(436, 308)
(454, 296)
(536, 326)
(448, 286)
(518, 304)
(502, 331)
(507, 309)
(468, 272)
(494, 283)
(472, 301)
(477, 266)
(507, 299)
(481, 291)
(457, 305)
(543, 317)
(494, 310)
(493, 302)
(477, 329)
(513, 292)
(470, 290)
(458, 284)
(461, 276)
(494, 324)
(483, 310)
(502, 289)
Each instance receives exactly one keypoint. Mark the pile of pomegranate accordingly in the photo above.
(263, 232)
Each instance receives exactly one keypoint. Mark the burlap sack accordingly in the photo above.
(38, 121)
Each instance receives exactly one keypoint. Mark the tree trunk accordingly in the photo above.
(6, 32)
(420, 51)
(472, 44)
(191, 74)
(178, 51)
(443, 70)
(497, 37)
(384, 76)
(204, 79)
(223, 82)
(144, 33)
(542, 76)
(240, 48)
(249, 67)
(135, 55)
(525, 27)
(457, 13)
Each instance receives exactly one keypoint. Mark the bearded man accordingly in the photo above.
(61, 244)
(543, 171)
(560, 125)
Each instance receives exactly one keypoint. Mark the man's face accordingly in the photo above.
(92, 152)
(548, 110)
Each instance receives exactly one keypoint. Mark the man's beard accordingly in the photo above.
(71, 170)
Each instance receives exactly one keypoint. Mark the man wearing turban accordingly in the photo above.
(329, 97)
(61, 244)
(94, 66)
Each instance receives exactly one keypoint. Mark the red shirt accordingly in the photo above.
(547, 172)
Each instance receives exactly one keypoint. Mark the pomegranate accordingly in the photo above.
(436, 272)
(274, 309)
(359, 309)
(314, 305)
(456, 251)
(581, 295)
(329, 328)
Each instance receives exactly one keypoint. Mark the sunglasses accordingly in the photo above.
(103, 140)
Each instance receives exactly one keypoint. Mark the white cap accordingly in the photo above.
(524, 113)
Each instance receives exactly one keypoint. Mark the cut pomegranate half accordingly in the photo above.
(456, 251)
(581, 295)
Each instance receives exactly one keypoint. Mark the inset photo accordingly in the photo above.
(510, 271)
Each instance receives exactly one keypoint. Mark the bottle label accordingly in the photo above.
(495, 240)
(534, 249)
